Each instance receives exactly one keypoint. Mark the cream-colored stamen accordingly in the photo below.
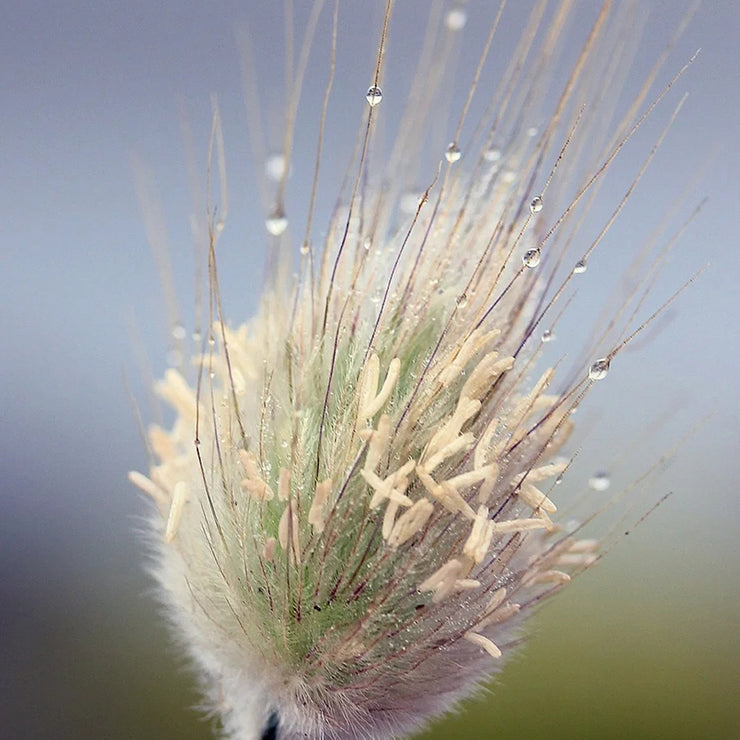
(254, 483)
(394, 372)
(463, 442)
(533, 497)
(179, 498)
(485, 643)
(535, 475)
(175, 390)
(470, 347)
(317, 512)
(480, 537)
(410, 522)
(268, 549)
(163, 443)
(445, 494)
(149, 487)
(518, 525)
(485, 374)
(466, 408)
(378, 443)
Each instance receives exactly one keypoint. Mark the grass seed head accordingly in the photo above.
(369, 510)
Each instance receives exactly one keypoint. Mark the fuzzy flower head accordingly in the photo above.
(356, 502)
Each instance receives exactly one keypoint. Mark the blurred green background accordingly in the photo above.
(644, 646)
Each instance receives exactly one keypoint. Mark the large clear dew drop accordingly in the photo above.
(453, 152)
(275, 167)
(537, 204)
(276, 223)
(599, 481)
(456, 19)
(374, 95)
(532, 258)
(599, 369)
(580, 267)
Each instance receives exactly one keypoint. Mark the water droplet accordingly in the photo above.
(559, 479)
(462, 300)
(456, 19)
(453, 152)
(547, 336)
(276, 222)
(374, 95)
(304, 248)
(366, 244)
(509, 176)
(492, 155)
(600, 369)
(532, 131)
(536, 205)
(275, 167)
(178, 332)
(599, 481)
(532, 258)
(580, 267)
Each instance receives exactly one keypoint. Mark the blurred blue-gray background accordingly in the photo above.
(646, 645)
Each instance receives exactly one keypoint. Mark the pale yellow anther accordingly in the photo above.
(377, 403)
(499, 614)
(179, 498)
(518, 525)
(175, 390)
(484, 643)
(368, 388)
(453, 501)
(466, 408)
(410, 522)
(488, 485)
(443, 580)
(584, 545)
(391, 487)
(253, 483)
(486, 373)
(163, 443)
(552, 576)
(463, 442)
(268, 549)
(149, 487)
(444, 493)
(525, 405)
(484, 447)
(577, 559)
(533, 497)
(317, 512)
(543, 517)
(378, 443)
(465, 480)
(541, 473)
(477, 544)
(496, 600)
(470, 347)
